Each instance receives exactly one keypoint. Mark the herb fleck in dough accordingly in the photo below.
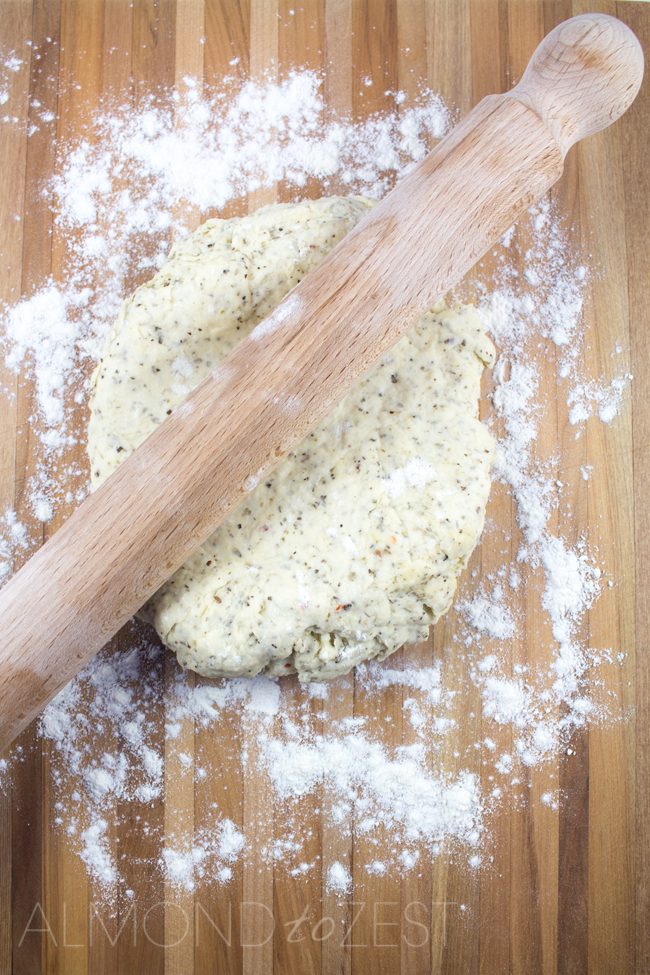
(353, 545)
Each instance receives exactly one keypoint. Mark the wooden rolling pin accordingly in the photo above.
(165, 500)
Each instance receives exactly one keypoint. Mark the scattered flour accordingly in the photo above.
(117, 198)
(541, 707)
(394, 790)
(13, 540)
(338, 878)
(208, 855)
(491, 617)
(603, 398)
(416, 473)
(44, 328)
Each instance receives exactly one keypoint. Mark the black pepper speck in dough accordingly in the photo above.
(353, 545)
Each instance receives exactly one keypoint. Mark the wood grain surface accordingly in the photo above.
(566, 889)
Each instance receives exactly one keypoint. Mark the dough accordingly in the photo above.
(353, 545)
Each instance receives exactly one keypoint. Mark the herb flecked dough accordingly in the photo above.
(353, 545)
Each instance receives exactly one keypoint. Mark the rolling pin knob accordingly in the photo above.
(582, 77)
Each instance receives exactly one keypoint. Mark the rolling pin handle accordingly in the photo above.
(582, 77)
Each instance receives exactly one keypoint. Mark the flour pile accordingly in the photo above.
(118, 199)
(542, 706)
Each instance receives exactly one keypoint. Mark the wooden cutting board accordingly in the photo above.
(566, 890)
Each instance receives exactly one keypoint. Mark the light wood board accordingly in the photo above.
(567, 890)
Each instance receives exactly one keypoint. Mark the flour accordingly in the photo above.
(10, 64)
(491, 617)
(603, 398)
(13, 540)
(541, 707)
(571, 580)
(96, 853)
(44, 328)
(395, 790)
(123, 187)
(338, 878)
(208, 855)
(427, 680)
(416, 473)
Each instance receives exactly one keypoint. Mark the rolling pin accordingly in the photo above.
(181, 483)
